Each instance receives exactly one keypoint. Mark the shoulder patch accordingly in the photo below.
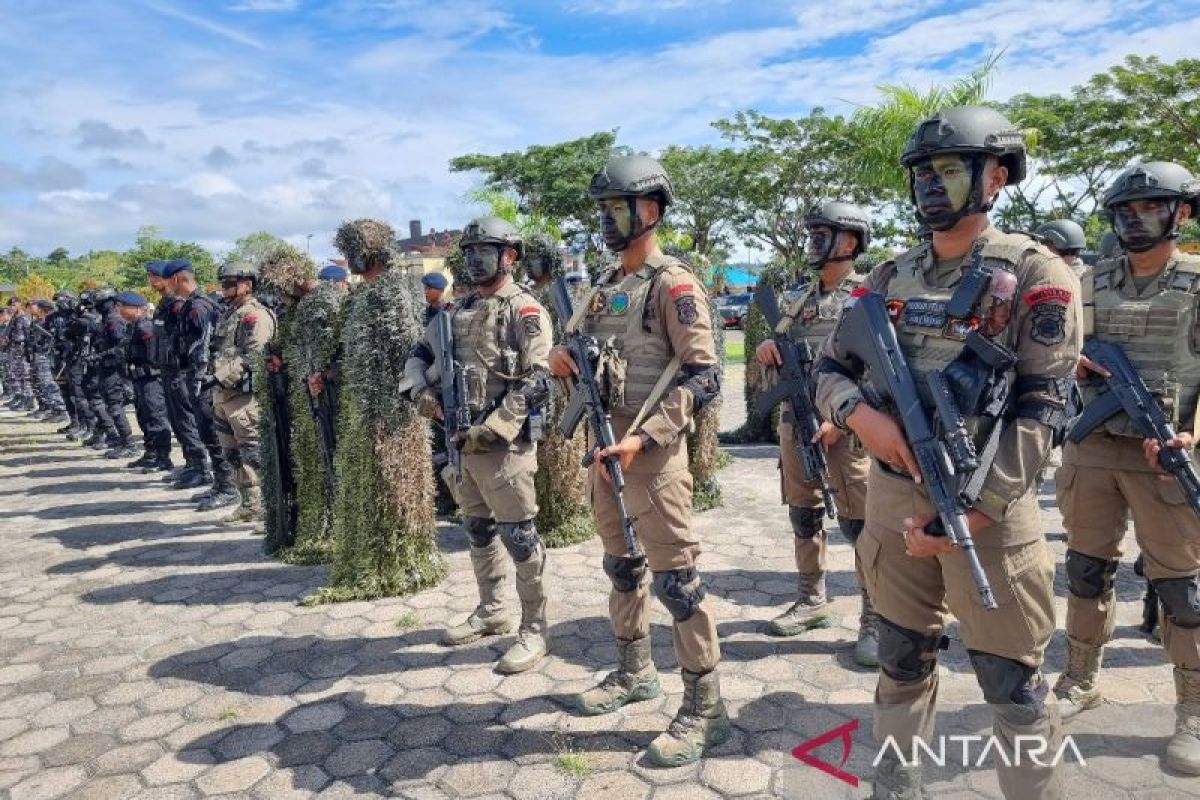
(680, 289)
(685, 308)
(524, 310)
(531, 321)
(1048, 294)
(249, 319)
(1048, 325)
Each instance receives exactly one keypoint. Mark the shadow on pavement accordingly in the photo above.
(263, 585)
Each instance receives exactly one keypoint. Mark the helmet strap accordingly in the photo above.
(636, 229)
(975, 203)
(1171, 231)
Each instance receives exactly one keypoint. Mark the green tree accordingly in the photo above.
(706, 181)
(549, 181)
(878, 133)
(783, 167)
(150, 246)
(254, 247)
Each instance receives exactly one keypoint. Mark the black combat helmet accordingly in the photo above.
(1064, 235)
(1154, 180)
(841, 217)
(970, 131)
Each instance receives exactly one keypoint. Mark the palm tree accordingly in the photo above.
(881, 130)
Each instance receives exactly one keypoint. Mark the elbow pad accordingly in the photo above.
(703, 382)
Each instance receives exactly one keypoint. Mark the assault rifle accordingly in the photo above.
(456, 416)
(285, 498)
(1124, 390)
(587, 399)
(323, 408)
(797, 387)
(866, 336)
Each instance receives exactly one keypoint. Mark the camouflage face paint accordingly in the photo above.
(820, 244)
(942, 183)
(1141, 224)
(482, 261)
(617, 216)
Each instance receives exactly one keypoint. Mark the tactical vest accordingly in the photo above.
(139, 350)
(485, 344)
(1154, 328)
(635, 350)
(928, 336)
(229, 340)
(813, 316)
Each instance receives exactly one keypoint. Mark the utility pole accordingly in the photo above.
(307, 243)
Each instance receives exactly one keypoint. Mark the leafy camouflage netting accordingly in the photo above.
(274, 524)
(361, 240)
(457, 266)
(383, 516)
(564, 515)
(311, 347)
(285, 268)
(758, 427)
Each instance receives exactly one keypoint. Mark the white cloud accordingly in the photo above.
(224, 31)
(265, 5)
(300, 136)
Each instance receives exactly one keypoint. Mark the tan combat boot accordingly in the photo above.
(1183, 751)
(866, 649)
(241, 513)
(896, 781)
(634, 680)
(700, 722)
(488, 619)
(532, 643)
(809, 612)
(1077, 689)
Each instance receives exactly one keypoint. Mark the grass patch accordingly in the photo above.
(228, 713)
(568, 758)
(408, 619)
(735, 351)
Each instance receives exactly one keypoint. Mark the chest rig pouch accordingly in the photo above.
(1156, 330)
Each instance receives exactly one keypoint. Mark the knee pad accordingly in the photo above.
(1088, 576)
(625, 573)
(1179, 597)
(806, 522)
(902, 651)
(233, 456)
(1016, 691)
(680, 590)
(480, 530)
(851, 529)
(521, 539)
(251, 455)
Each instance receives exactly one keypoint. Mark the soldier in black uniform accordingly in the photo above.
(104, 434)
(57, 324)
(200, 315)
(77, 344)
(110, 357)
(181, 414)
(41, 356)
(149, 401)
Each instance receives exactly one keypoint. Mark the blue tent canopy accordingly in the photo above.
(737, 276)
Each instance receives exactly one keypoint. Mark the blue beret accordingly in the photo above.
(130, 299)
(175, 266)
(155, 267)
(434, 280)
(333, 272)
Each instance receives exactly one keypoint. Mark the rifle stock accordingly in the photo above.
(866, 336)
(1124, 390)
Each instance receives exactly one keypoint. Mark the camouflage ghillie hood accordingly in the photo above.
(456, 265)
(542, 250)
(362, 240)
(313, 343)
(287, 269)
(381, 324)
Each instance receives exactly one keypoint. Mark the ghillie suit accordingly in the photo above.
(384, 534)
(312, 348)
(564, 516)
(284, 271)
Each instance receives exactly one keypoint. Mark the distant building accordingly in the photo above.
(432, 243)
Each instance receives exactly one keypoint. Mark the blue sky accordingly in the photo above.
(214, 119)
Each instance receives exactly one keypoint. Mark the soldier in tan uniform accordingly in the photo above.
(238, 343)
(1146, 301)
(837, 234)
(1065, 238)
(660, 368)
(958, 162)
(502, 337)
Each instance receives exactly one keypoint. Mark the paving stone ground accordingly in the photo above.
(148, 652)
